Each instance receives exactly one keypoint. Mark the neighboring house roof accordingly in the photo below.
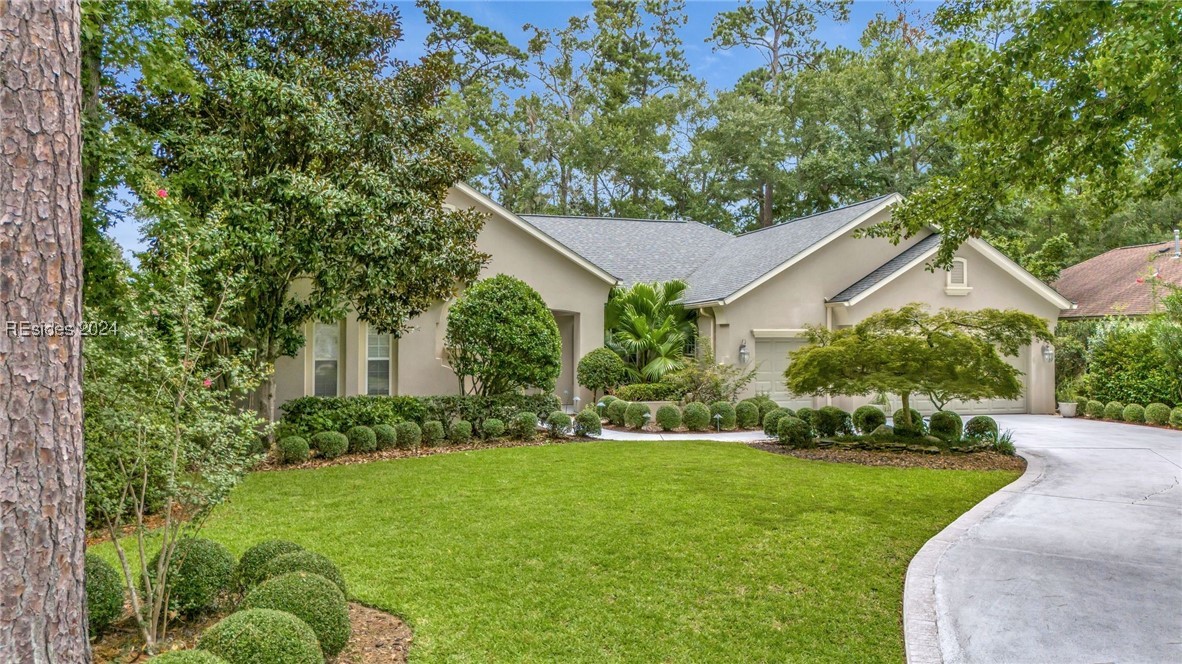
(1120, 281)
(716, 266)
(919, 251)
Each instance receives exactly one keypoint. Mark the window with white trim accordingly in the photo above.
(326, 359)
(958, 276)
(378, 367)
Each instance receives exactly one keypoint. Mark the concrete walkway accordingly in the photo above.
(733, 436)
(1079, 561)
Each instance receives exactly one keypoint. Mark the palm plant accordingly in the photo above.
(649, 328)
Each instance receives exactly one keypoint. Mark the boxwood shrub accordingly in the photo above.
(410, 436)
(187, 657)
(492, 428)
(292, 449)
(255, 559)
(104, 595)
(606, 400)
(765, 403)
(1133, 413)
(794, 432)
(832, 421)
(262, 635)
(916, 429)
(460, 432)
(615, 412)
(981, 427)
(1157, 413)
(307, 415)
(524, 426)
(587, 422)
(432, 433)
(946, 425)
(303, 561)
(696, 416)
(385, 435)
(1176, 417)
(771, 421)
(649, 392)
(747, 414)
(200, 571)
(634, 415)
(868, 418)
(1113, 410)
(311, 598)
(361, 439)
(668, 417)
(1095, 409)
(558, 424)
(330, 444)
(805, 414)
(726, 411)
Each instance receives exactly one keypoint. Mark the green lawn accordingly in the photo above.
(619, 552)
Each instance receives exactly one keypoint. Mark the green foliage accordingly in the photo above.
(649, 328)
(946, 425)
(1133, 413)
(1113, 410)
(200, 571)
(771, 421)
(882, 432)
(303, 561)
(795, 433)
(615, 411)
(649, 392)
(410, 435)
(262, 635)
(747, 414)
(501, 338)
(1157, 413)
(722, 414)
(606, 400)
(385, 435)
(1005, 444)
(1167, 335)
(635, 415)
(311, 598)
(476, 408)
(806, 414)
(433, 433)
(600, 370)
(361, 439)
(524, 426)
(765, 403)
(981, 427)
(307, 415)
(868, 418)
(668, 417)
(330, 444)
(1176, 417)
(492, 428)
(250, 567)
(558, 424)
(1125, 364)
(104, 595)
(292, 449)
(707, 381)
(902, 427)
(187, 657)
(460, 432)
(1095, 409)
(587, 422)
(696, 416)
(832, 421)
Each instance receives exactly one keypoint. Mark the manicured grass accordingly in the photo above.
(619, 551)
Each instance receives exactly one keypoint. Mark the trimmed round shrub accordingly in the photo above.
(304, 561)
(200, 571)
(615, 412)
(558, 424)
(385, 435)
(868, 418)
(187, 657)
(1157, 413)
(432, 433)
(601, 369)
(696, 416)
(766, 405)
(460, 432)
(361, 439)
(292, 449)
(524, 426)
(588, 422)
(917, 426)
(255, 559)
(726, 411)
(311, 598)
(805, 414)
(981, 427)
(772, 419)
(606, 400)
(832, 421)
(1133, 413)
(104, 595)
(1081, 407)
(1094, 409)
(492, 428)
(331, 444)
(1176, 417)
(794, 432)
(668, 417)
(946, 425)
(634, 415)
(410, 436)
(1113, 410)
(262, 635)
(747, 414)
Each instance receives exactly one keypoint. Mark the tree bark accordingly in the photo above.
(765, 205)
(42, 519)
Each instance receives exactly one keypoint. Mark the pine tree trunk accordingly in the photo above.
(42, 520)
(765, 206)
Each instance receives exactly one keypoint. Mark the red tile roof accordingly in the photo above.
(1121, 281)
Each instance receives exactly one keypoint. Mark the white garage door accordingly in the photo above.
(986, 406)
(771, 355)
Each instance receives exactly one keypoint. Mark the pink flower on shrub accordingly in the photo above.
(208, 382)
(162, 193)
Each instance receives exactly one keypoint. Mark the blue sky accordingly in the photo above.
(719, 69)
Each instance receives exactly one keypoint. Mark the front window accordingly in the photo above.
(378, 363)
(326, 357)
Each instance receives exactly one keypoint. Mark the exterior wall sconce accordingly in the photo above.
(1048, 353)
(744, 354)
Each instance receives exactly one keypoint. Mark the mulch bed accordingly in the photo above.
(948, 461)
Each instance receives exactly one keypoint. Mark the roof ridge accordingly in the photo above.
(816, 214)
(581, 216)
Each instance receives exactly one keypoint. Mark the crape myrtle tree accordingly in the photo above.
(951, 354)
(323, 158)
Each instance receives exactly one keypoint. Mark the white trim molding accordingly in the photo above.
(782, 333)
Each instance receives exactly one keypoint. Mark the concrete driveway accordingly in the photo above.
(1080, 561)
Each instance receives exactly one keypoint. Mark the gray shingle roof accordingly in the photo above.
(714, 264)
(888, 268)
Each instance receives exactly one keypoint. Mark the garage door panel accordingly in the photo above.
(771, 355)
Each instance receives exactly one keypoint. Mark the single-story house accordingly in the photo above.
(754, 294)
(1125, 281)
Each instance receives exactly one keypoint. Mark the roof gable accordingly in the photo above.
(1108, 284)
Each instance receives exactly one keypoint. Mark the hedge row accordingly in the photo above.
(1155, 413)
(309, 415)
